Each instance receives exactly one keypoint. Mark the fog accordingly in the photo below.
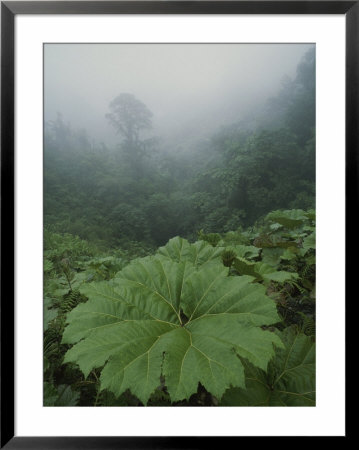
(191, 89)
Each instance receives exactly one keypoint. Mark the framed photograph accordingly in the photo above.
(169, 174)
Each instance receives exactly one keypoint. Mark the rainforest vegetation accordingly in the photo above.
(183, 273)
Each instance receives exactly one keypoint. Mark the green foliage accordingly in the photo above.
(246, 251)
(228, 257)
(211, 238)
(289, 219)
(48, 266)
(59, 247)
(49, 315)
(262, 271)
(166, 318)
(234, 238)
(62, 396)
(289, 381)
(180, 250)
(184, 326)
(182, 319)
(101, 268)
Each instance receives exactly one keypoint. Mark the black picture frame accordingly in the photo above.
(9, 9)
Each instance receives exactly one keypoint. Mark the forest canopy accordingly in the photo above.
(143, 191)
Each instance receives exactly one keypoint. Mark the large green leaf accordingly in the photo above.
(290, 254)
(290, 380)
(272, 256)
(262, 271)
(309, 242)
(245, 251)
(172, 319)
(179, 249)
(290, 219)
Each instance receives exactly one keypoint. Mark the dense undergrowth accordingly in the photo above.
(228, 320)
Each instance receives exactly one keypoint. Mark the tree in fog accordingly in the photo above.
(129, 116)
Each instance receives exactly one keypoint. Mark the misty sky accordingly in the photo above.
(206, 85)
